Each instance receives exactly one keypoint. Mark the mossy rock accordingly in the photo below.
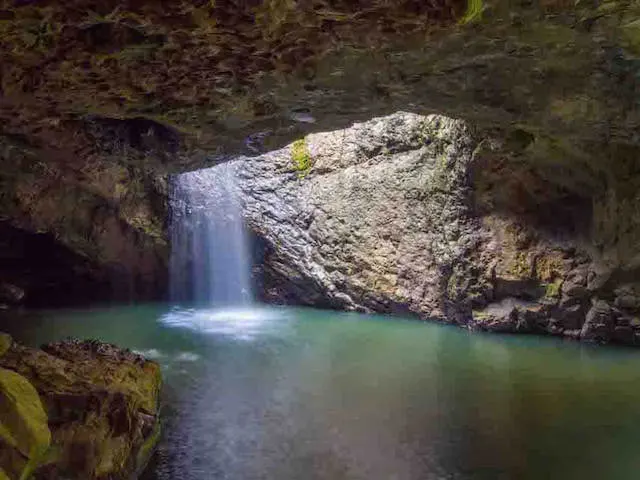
(147, 448)
(5, 343)
(301, 157)
(553, 290)
(23, 425)
(102, 404)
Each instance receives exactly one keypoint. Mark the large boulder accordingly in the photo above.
(100, 404)
(431, 216)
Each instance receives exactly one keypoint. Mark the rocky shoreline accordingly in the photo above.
(76, 410)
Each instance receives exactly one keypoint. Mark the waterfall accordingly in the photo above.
(209, 249)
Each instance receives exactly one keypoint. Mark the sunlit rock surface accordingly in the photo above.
(76, 410)
(432, 216)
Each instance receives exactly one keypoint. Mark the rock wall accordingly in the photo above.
(429, 216)
(78, 231)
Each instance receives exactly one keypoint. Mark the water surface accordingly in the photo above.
(292, 394)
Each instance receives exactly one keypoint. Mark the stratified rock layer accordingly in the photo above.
(101, 407)
(430, 216)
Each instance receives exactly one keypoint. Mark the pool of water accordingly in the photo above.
(293, 394)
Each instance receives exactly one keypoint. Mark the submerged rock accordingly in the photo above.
(85, 410)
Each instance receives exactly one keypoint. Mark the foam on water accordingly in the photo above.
(243, 323)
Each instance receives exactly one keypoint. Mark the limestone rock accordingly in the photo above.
(373, 229)
(101, 98)
(101, 405)
(133, 77)
(69, 235)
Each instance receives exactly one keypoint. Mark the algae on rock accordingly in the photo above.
(24, 433)
(301, 157)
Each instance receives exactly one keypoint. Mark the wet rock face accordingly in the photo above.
(99, 411)
(429, 216)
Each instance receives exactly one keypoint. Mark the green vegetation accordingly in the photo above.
(144, 454)
(521, 266)
(480, 315)
(548, 267)
(23, 425)
(473, 12)
(552, 290)
(631, 35)
(301, 157)
(5, 343)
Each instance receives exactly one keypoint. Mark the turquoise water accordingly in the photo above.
(286, 393)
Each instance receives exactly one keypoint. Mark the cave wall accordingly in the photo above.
(75, 232)
(234, 77)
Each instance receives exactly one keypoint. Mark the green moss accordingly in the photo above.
(631, 35)
(473, 12)
(521, 267)
(23, 422)
(301, 157)
(147, 448)
(480, 315)
(552, 290)
(5, 343)
(452, 286)
(3, 476)
(576, 108)
(548, 267)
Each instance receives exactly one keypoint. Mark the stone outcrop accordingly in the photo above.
(430, 216)
(76, 410)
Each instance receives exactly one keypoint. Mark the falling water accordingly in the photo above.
(209, 253)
